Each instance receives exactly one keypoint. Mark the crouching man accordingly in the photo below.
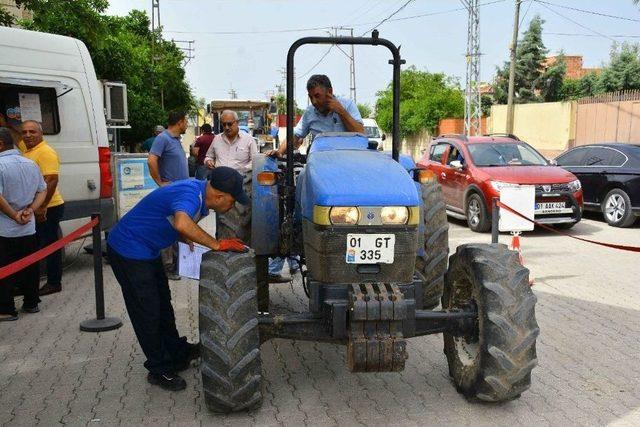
(133, 246)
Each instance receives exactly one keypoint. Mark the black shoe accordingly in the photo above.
(34, 309)
(170, 381)
(193, 353)
(277, 278)
(9, 318)
(48, 289)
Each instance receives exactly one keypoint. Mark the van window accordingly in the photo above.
(19, 103)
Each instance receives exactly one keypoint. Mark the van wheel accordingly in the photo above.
(616, 209)
(477, 215)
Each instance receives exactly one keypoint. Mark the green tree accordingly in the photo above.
(6, 19)
(365, 110)
(529, 71)
(579, 88)
(623, 71)
(552, 80)
(121, 49)
(425, 98)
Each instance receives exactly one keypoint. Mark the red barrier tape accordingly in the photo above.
(14, 267)
(546, 227)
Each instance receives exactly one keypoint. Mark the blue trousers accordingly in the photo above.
(276, 264)
(146, 293)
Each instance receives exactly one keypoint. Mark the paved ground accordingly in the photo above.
(588, 349)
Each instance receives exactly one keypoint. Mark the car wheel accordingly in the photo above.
(477, 216)
(616, 209)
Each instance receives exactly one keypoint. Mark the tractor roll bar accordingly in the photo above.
(374, 40)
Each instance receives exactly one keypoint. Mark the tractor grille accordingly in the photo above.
(325, 250)
(554, 188)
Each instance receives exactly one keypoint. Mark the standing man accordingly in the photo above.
(233, 149)
(146, 145)
(22, 191)
(167, 163)
(327, 113)
(200, 148)
(49, 214)
(134, 246)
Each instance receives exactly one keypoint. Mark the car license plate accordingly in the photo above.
(370, 248)
(550, 207)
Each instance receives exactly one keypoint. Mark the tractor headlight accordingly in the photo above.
(574, 185)
(394, 215)
(344, 215)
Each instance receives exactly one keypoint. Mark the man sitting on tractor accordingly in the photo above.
(327, 113)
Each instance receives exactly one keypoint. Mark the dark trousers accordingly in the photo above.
(13, 249)
(146, 293)
(47, 233)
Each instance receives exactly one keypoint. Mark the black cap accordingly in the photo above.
(228, 181)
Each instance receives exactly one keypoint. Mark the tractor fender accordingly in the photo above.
(265, 220)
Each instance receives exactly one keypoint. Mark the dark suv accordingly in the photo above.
(610, 177)
(472, 170)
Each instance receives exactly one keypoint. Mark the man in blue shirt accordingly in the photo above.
(22, 191)
(168, 163)
(327, 113)
(146, 145)
(134, 246)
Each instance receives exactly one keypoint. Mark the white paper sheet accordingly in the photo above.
(132, 175)
(30, 107)
(522, 199)
(189, 262)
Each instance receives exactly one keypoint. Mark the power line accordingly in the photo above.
(290, 30)
(526, 11)
(576, 22)
(388, 17)
(316, 64)
(592, 12)
(629, 36)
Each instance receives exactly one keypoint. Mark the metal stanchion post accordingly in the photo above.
(495, 220)
(100, 323)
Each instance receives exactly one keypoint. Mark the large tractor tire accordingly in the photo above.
(236, 223)
(432, 264)
(494, 362)
(230, 361)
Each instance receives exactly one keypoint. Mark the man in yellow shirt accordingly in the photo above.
(48, 216)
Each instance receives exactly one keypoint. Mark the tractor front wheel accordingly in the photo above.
(230, 361)
(492, 362)
(431, 261)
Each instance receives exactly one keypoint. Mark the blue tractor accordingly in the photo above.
(371, 232)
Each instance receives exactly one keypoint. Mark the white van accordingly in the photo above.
(51, 78)
(373, 132)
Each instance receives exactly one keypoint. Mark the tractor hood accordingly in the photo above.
(355, 178)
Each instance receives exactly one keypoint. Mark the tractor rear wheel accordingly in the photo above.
(431, 262)
(494, 361)
(230, 361)
(236, 223)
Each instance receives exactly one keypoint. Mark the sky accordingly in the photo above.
(242, 44)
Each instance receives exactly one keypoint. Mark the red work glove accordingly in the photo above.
(232, 245)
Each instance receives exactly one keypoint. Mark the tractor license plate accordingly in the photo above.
(370, 248)
(550, 208)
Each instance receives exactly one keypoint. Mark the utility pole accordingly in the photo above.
(512, 68)
(188, 50)
(472, 104)
(352, 61)
(155, 32)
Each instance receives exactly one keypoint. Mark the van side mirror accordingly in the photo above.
(383, 137)
(456, 164)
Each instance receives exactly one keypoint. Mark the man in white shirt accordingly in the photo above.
(233, 149)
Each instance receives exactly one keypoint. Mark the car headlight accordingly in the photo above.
(499, 185)
(394, 215)
(344, 215)
(575, 185)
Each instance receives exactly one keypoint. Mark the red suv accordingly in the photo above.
(472, 170)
